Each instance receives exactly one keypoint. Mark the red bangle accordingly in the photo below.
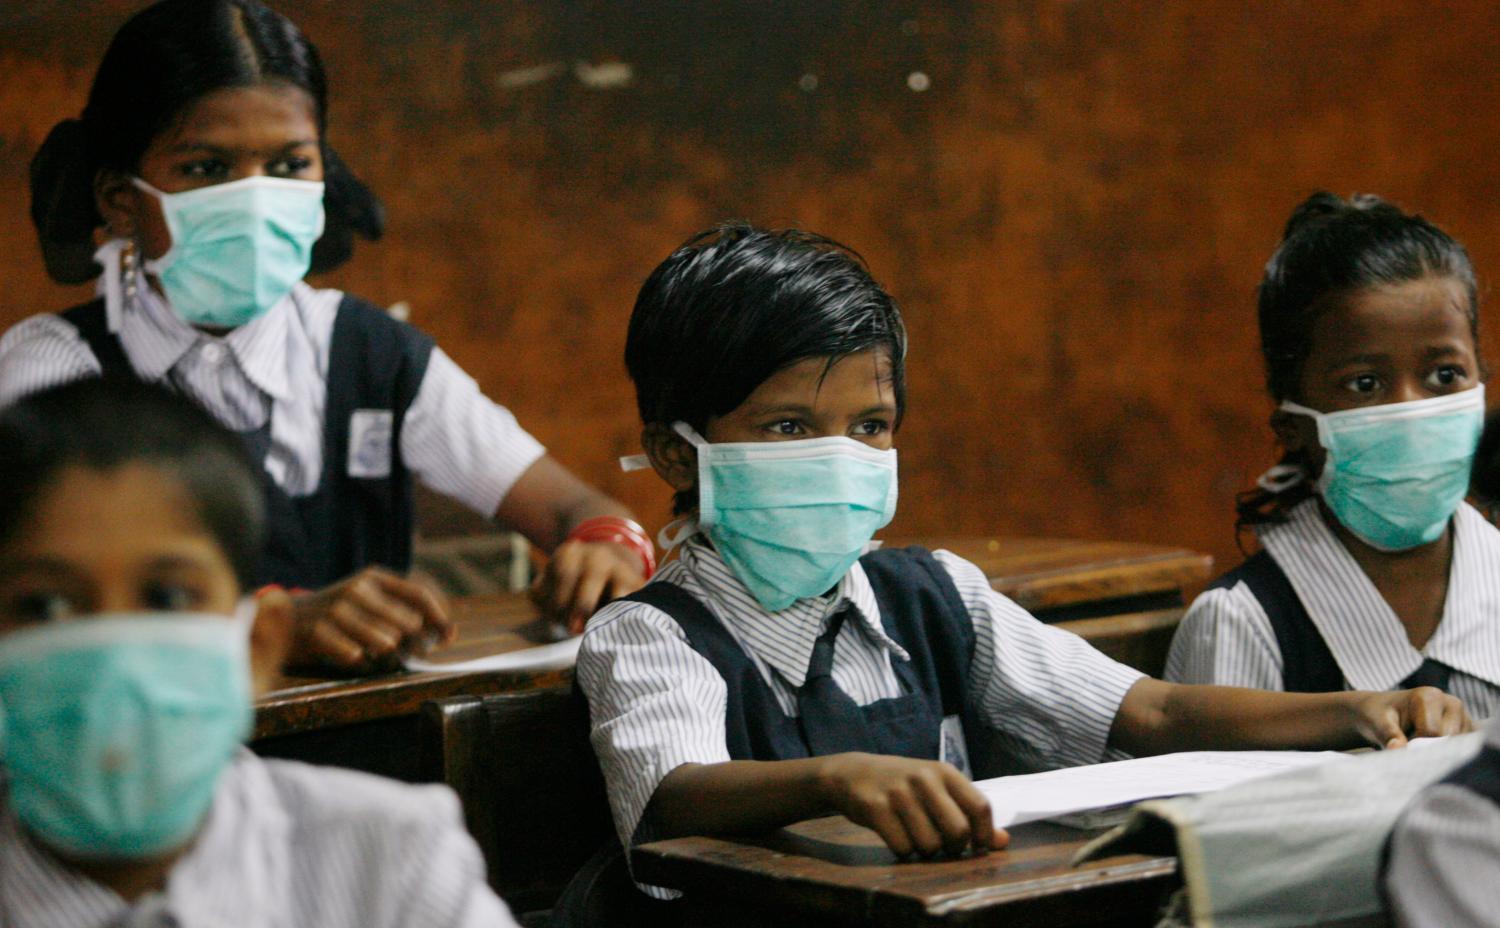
(292, 591)
(620, 531)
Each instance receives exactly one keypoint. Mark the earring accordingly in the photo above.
(128, 270)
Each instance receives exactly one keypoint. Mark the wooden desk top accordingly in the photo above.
(1049, 573)
(486, 625)
(1039, 573)
(831, 871)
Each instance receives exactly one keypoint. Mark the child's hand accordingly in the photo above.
(581, 576)
(916, 806)
(367, 620)
(1388, 719)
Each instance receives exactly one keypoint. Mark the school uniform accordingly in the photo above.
(1302, 616)
(1443, 861)
(341, 404)
(912, 654)
(283, 844)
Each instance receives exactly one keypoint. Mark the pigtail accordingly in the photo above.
(352, 209)
(62, 202)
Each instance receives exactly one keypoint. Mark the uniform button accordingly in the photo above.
(213, 352)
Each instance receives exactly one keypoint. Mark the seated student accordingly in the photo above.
(775, 671)
(1374, 573)
(129, 525)
(202, 161)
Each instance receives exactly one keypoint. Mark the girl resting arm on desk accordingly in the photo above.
(202, 164)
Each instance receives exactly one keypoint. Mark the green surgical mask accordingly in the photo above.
(791, 517)
(114, 729)
(237, 248)
(1395, 474)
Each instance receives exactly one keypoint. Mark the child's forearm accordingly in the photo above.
(738, 796)
(1157, 718)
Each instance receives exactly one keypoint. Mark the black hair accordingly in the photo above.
(162, 60)
(104, 425)
(1332, 247)
(1486, 474)
(735, 304)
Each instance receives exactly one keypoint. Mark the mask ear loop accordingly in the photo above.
(674, 533)
(1280, 478)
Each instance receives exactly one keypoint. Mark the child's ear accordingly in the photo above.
(117, 200)
(672, 456)
(270, 639)
(1298, 434)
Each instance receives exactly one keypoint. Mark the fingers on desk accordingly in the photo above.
(932, 810)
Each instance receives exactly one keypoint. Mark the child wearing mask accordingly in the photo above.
(129, 654)
(1374, 573)
(202, 161)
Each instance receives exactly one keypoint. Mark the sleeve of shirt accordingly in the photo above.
(461, 443)
(654, 705)
(1048, 690)
(1225, 639)
(1445, 860)
(40, 352)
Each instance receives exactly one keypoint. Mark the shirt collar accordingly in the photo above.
(1364, 634)
(155, 338)
(784, 640)
(236, 873)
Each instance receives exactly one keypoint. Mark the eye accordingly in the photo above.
(787, 427)
(290, 166)
(1447, 375)
(205, 169)
(1362, 383)
(171, 597)
(42, 606)
(871, 427)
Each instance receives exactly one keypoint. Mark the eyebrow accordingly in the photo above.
(1358, 359)
(176, 562)
(183, 148)
(1436, 351)
(35, 563)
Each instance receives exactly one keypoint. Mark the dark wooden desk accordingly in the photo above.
(1061, 578)
(829, 871)
(370, 723)
(1057, 578)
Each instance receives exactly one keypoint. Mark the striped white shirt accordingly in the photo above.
(1444, 864)
(657, 704)
(1226, 637)
(454, 439)
(284, 844)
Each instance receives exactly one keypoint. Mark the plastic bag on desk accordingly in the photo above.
(1297, 849)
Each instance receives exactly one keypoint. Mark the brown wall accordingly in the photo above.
(1074, 215)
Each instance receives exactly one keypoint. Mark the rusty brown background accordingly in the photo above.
(1074, 212)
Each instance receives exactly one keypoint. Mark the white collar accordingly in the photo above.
(238, 871)
(1364, 634)
(155, 338)
(784, 640)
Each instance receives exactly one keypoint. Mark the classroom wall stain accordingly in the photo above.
(1071, 200)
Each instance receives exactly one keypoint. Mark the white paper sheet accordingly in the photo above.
(1035, 796)
(554, 656)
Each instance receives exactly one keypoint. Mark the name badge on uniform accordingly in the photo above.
(952, 748)
(370, 442)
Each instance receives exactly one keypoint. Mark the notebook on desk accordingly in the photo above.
(1090, 796)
